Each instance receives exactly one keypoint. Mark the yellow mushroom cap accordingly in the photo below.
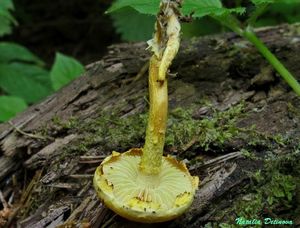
(140, 197)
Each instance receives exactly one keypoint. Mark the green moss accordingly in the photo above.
(226, 225)
(248, 154)
(254, 138)
(269, 196)
(273, 191)
(293, 110)
(270, 191)
(71, 123)
(249, 207)
(211, 131)
(110, 132)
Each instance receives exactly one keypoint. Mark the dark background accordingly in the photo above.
(77, 28)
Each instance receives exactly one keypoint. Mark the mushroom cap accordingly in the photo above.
(140, 197)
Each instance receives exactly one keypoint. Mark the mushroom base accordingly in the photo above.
(140, 197)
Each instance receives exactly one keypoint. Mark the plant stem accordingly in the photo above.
(157, 121)
(286, 75)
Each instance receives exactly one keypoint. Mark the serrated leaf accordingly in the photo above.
(27, 81)
(191, 5)
(64, 70)
(132, 25)
(10, 52)
(212, 11)
(10, 106)
(199, 7)
(208, 7)
(142, 6)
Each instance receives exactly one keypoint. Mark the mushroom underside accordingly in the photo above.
(134, 195)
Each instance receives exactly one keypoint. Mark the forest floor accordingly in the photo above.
(231, 119)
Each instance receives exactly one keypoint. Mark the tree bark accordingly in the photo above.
(48, 165)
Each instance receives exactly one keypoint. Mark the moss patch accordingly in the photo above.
(109, 131)
(210, 131)
(272, 193)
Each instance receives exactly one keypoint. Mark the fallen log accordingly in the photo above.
(237, 114)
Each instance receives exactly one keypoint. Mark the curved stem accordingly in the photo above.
(285, 74)
(164, 45)
(157, 121)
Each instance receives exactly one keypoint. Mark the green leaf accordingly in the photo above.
(199, 7)
(288, 1)
(10, 52)
(208, 7)
(132, 25)
(10, 106)
(205, 7)
(142, 6)
(4, 26)
(27, 81)
(64, 70)
(7, 4)
(260, 2)
(280, 11)
(6, 19)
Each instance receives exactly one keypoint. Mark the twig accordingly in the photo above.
(189, 144)
(79, 209)
(109, 221)
(215, 161)
(3, 201)
(84, 157)
(8, 212)
(141, 72)
(91, 159)
(25, 198)
(79, 176)
(28, 134)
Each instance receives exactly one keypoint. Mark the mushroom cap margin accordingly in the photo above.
(143, 198)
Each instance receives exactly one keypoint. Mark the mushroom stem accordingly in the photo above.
(157, 122)
(164, 45)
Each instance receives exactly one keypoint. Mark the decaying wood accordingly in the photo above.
(225, 69)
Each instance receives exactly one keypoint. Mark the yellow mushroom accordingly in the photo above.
(141, 184)
(143, 197)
